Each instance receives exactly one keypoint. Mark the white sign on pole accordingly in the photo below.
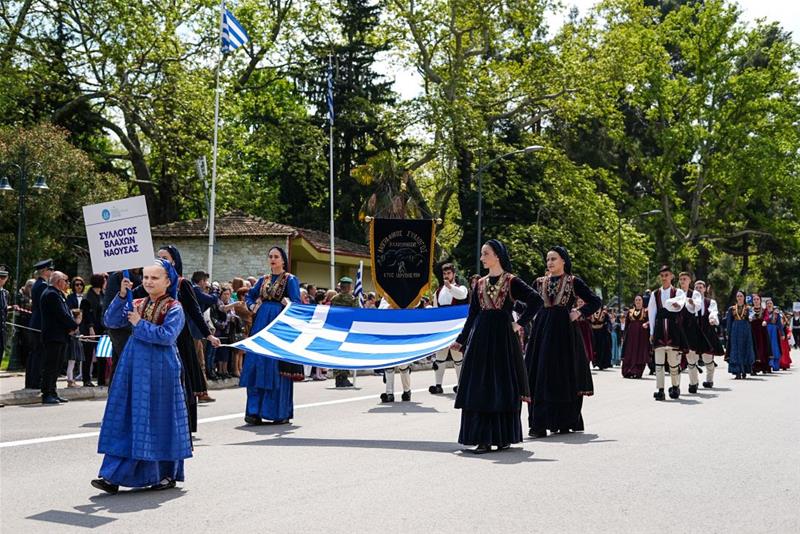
(796, 306)
(119, 234)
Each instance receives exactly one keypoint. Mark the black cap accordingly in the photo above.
(664, 269)
(45, 264)
(3, 271)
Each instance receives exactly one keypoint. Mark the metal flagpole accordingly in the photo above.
(212, 203)
(330, 162)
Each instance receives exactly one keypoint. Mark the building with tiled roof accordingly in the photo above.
(242, 243)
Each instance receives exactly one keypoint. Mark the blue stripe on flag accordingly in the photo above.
(233, 33)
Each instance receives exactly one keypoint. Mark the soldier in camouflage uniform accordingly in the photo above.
(344, 298)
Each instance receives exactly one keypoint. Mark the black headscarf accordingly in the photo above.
(502, 254)
(176, 258)
(284, 257)
(561, 251)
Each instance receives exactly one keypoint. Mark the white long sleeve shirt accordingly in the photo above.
(446, 295)
(674, 304)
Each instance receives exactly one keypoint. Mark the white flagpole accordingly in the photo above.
(330, 162)
(212, 203)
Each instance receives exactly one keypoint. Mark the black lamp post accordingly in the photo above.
(23, 171)
(619, 251)
(479, 175)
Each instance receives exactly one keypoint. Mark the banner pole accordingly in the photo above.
(330, 163)
(213, 199)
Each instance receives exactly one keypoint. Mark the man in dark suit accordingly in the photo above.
(33, 366)
(57, 325)
(3, 309)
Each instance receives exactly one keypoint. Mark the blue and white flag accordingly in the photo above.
(358, 292)
(233, 34)
(340, 337)
(329, 94)
(103, 347)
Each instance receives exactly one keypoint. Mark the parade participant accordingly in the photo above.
(193, 378)
(636, 340)
(760, 341)
(92, 325)
(708, 321)
(773, 322)
(344, 298)
(601, 339)
(33, 367)
(57, 325)
(558, 370)
(689, 326)
(493, 382)
(665, 336)
(450, 293)
(119, 336)
(269, 383)
(740, 354)
(615, 328)
(795, 326)
(4, 308)
(786, 360)
(145, 430)
(388, 374)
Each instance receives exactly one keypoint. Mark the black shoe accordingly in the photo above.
(254, 420)
(387, 397)
(744, 376)
(103, 484)
(737, 377)
(278, 422)
(436, 390)
(651, 373)
(659, 395)
(88, 385)
(50, 399)
(343, 382)
(537, 434)
(455, 389)
(708, 385)
(406, 396)
(481, 449)
(62, 400)
(674, 392)
(164, 484)
(692, 388)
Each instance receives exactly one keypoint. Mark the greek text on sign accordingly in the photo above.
(119, 234)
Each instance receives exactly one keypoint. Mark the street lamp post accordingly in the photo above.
(619, 252)
(5, 186)
(479, 176)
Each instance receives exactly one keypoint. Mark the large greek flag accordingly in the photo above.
(339, 337)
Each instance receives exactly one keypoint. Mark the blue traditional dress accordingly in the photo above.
(740, 340)
(270, 392)
(145, 429)
(774, 332)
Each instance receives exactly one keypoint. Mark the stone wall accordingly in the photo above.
(233, 256)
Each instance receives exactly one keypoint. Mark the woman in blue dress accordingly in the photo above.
(270, 392)
(773, 320)
(145, 429)
(740, 339)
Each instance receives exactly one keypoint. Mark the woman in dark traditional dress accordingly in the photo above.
(760, 340)
(145, 430)
(601, 339)
(786, 360)
(270, 391)
(493, 384)
(740, 354)
(636, 340)
(193, 380)
(585, 328)
(558, 370)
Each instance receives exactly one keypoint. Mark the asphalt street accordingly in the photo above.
(723, 460)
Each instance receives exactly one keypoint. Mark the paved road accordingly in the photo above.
(721, 461)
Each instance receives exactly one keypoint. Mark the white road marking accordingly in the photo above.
(65, 437)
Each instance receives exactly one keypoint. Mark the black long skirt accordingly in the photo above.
(492, 382)
(191, 374)
(558, 370)
(601, 341)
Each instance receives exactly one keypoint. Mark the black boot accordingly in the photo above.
(343, 382)
(406, 396)
(674, 392)
(537, 434)
(253, 420)
(436, 390)
(387, 397)
(708, 385)
(692, 388)
(659, 395)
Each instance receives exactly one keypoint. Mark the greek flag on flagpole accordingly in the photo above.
(103, 347)
(233, 34)
(339, 337)
(329, 95)
(358, 292)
